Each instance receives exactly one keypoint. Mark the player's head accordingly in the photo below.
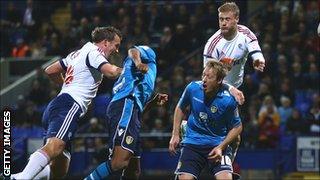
(107, 39)
(228, 18)
(213, 75)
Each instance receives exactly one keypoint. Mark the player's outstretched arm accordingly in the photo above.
(159, 99)
(216, 153)
(175, 137)
(236, 93)
(111, 71)
(135, 55)
(54, 71)
(259, 64)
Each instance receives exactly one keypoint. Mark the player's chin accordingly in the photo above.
(224, 31)
(205, 90)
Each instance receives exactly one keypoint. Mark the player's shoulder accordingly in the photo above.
(95, 52)
(240, 26)
(195, 84)
(227, 97)
(245, 32)
(215, 36)
(92, 49)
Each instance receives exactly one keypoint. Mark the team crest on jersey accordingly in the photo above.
(203, 116)
(129, 139)
(213, 109)
(240, 46)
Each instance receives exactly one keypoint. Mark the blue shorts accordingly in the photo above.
(124, 119)
(60, 118)
(194, 158)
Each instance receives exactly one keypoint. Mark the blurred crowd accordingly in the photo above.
(283, 100)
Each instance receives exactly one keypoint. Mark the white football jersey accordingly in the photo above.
(83, 74)
(243, 44)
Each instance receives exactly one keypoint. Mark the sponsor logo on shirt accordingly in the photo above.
(203, 116)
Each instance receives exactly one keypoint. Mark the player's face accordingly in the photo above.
(228, 22)
(112, 46)
(209, 79)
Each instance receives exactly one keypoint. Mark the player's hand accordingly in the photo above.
(228, 62)
(173, 144)
(215, 155)
(259, 65)
(236, 93)
(142, 67)
(161, 99)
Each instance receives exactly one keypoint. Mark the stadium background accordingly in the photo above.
(282, 103)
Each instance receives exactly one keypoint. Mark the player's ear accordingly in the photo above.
(106, 43)
(237, 19)
(219, 80)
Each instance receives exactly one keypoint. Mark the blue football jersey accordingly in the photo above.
(134, 83)
(209, 120)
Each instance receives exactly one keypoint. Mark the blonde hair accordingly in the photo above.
(230, 7)
(219, 67)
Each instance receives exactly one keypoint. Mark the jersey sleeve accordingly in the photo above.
(184, 100)
(233, 119)
(146, 53)
(209, 53)
(65, 61)
(95, 60)
(254, 47)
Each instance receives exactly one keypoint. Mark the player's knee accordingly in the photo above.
(131, 174)
(238, 139)
(58, 173)
(59, 166)
(185, 177)
(224, 175)
(54, 147)
(119, 165)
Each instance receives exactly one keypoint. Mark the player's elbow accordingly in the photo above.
(112, 74)
(48, 70)
(239, 128)
(111, 71)
(54, 68)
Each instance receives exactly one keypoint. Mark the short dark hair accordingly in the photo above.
(105, 33)
(221, 68)
(230, 6)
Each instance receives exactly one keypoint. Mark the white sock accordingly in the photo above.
(38, 160)
(44, 174)
(14, 176)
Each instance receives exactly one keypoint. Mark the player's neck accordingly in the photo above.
(212, 93)
(100, 46)
(231, 35)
